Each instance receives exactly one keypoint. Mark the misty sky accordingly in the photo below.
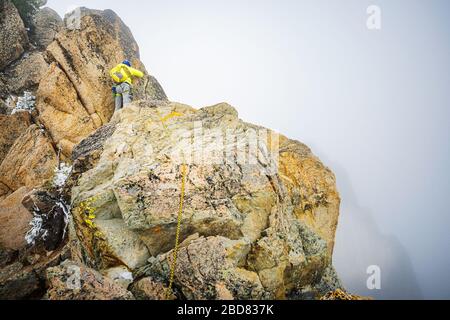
(373, 105)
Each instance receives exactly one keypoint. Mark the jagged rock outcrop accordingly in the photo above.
(26, 252)
(259, 219)
(22, 62)
(149, 289)
(341, 295)
(23, 277)
(14, 221)
(71, 82)
(13, 35)
(74, 97)
(25, 74)
(28, 156)
(27, 160)
(72, 281)
(12, 127)
(45, 25)
(48, 205)
(30, 161)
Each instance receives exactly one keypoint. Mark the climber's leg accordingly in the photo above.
(117, 97)
(127, 93)
(118, 101)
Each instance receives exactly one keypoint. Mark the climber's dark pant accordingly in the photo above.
(123, 93)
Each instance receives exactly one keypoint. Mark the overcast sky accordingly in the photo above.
(372, 104)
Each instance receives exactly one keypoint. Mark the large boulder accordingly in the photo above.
(149, 289)
(25, 74)
(72, 281)
(13, 35)
(30, 161)
(46, 23)
(74, 97)
(61, 111)
(11, 128)
(14, 221)
(25, 278)
(50, 209)
(259, 214)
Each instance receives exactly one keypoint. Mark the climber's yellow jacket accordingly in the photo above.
(123, 73)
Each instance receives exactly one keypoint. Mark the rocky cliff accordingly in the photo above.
(90, 201)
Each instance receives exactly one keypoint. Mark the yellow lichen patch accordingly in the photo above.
(89, 223)
(88, 211)
(93, 240)
(99, 235)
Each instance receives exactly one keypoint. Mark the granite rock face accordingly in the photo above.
(72, 281)
(259, 216)
(24, 74)
(13, 35)
(30, 161)
(74, 97)
(45, 25)
(12, 127)
(14, 221)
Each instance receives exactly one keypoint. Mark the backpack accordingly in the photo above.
(120, 74)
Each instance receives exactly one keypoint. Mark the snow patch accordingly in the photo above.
(36, 229)
(66, 210)
(25, 103)
(126, 276)
(62, 172)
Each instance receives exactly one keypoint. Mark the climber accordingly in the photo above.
(122, 76)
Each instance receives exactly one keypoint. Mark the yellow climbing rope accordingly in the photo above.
(173, 265)
(171, 115)
(177, 236)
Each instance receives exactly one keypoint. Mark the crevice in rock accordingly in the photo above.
(69, 78)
